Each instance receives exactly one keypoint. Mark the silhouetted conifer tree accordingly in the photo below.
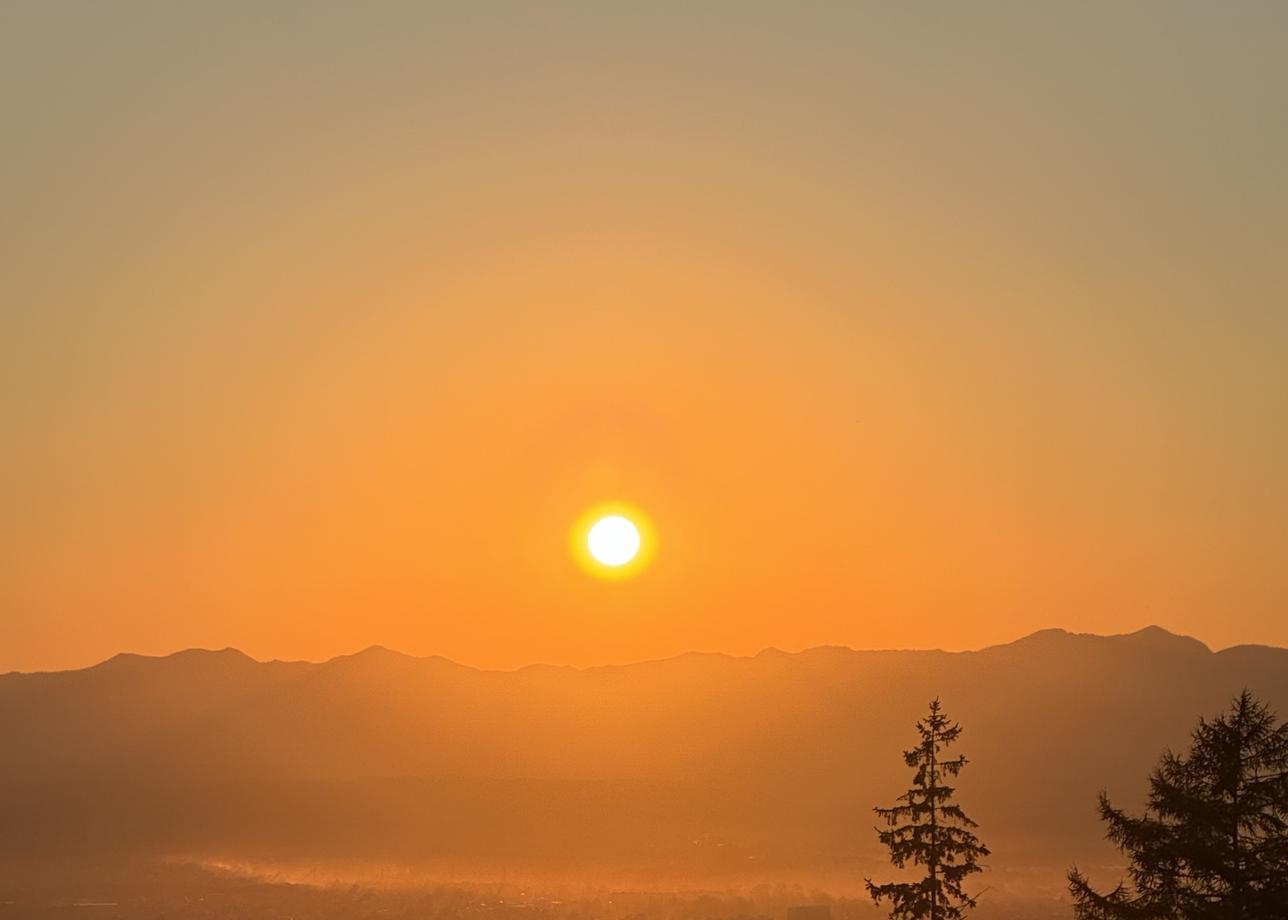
(926, 829)
(1213, 842)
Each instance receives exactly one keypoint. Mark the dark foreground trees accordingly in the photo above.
(1213, 842)
(926, 829)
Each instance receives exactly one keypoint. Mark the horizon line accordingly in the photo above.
(1055, 631)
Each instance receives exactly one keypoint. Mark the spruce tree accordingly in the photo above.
(926, 829)
(1213, 841)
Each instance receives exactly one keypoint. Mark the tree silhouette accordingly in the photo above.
(927, 829)
(1213, 842)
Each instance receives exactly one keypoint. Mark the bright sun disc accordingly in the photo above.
(613, 540)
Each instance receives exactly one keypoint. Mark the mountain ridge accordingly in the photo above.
(781, 754)
(1153, 634)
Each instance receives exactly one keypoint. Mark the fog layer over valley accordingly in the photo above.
(700, 771)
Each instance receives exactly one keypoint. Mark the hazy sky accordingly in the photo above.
(909, 325)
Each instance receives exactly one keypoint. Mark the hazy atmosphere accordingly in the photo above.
(910, 326)
(655, 461)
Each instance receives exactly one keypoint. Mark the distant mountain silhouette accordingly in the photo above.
(699, 762)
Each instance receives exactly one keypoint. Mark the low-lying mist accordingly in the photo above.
(215, 889)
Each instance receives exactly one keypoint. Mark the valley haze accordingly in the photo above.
(706, 768)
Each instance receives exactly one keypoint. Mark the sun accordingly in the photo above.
(613, 540)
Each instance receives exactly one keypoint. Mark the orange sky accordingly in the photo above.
(319, 330)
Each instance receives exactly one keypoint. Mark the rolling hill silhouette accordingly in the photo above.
(702, 762)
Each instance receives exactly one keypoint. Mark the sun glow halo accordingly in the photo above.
(613, 540)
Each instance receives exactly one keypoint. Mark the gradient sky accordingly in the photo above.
(909, 325)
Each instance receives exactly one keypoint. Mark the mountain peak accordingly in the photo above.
(1156, 637)
(372, 653)
(382, 658)
(185, 656)
(1043, 637)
